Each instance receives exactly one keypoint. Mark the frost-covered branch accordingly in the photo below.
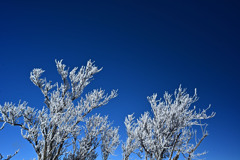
(11, 114)
(8, 156)
(131, 143)
(97, 132)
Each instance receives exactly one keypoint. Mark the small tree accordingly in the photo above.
(51, 129)
(169, 131)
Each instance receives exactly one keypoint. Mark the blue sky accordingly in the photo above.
(144, 47)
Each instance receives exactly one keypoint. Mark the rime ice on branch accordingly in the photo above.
(62, 122)
(169, 132)
(8, 156)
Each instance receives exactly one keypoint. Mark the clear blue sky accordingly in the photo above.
(144, 47)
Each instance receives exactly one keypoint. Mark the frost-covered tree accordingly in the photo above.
(168, 131)
(62, 122)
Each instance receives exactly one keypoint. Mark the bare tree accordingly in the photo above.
(169, 131)
(51, 129)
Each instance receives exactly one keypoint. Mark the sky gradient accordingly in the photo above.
(144, 47)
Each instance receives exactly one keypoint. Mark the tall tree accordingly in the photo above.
(62, 122)
(167, 131)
